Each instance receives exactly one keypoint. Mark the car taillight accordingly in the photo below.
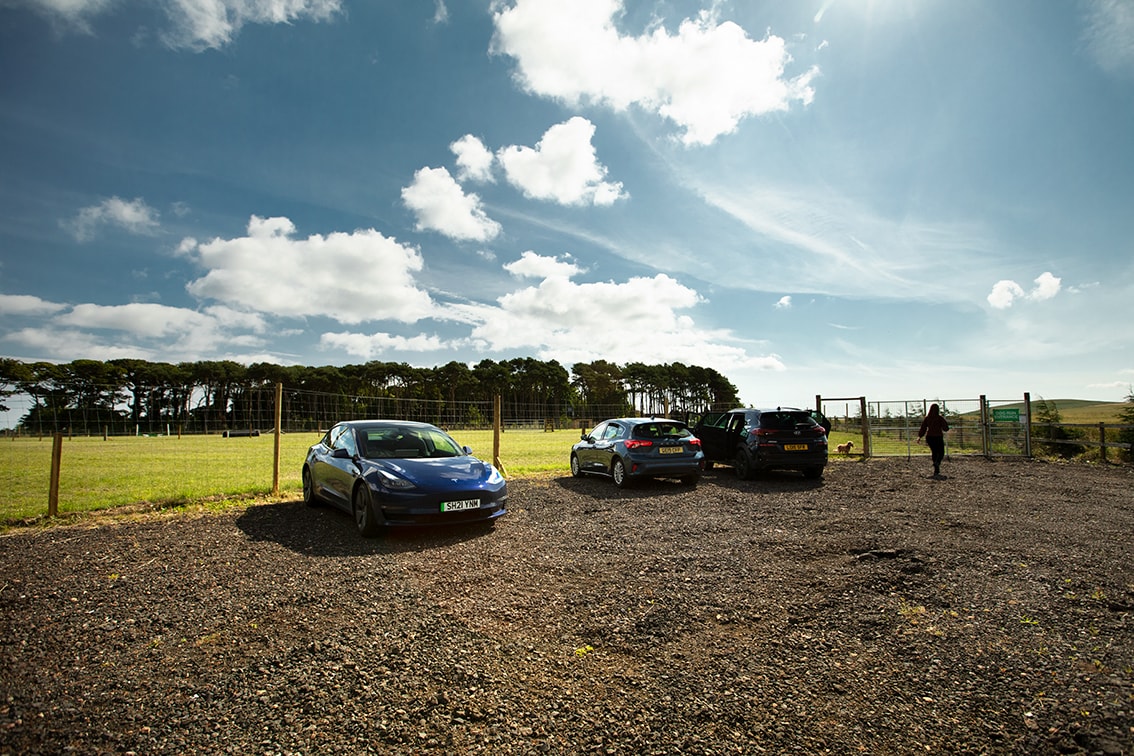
(693, 442)
(635, 443)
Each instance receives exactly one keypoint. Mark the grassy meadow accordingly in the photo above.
(167, 471)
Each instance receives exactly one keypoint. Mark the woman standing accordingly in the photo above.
(933, 427)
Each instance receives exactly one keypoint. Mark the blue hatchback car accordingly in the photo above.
(632, 448)
(395, 472)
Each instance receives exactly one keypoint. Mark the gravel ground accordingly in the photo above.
(876, 611)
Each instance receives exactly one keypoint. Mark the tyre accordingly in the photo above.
(310, 498)
(743, 465)
(576, 468)
(366, 516)
(813, 473)
(618, 472)
(690, 480)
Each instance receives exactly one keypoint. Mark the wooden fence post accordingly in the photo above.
(865, 427)
(496, 421)
(56, 467)
(1028, 424)
(276, 456)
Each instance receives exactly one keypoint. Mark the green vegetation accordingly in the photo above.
(167, 471)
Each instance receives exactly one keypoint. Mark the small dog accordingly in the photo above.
(845, 448)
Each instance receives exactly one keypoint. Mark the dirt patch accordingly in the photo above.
(875, 611)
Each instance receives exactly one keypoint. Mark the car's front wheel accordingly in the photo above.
(743, 464)
(618, 472)
(310, 498)
(366, 516)
(576, 468)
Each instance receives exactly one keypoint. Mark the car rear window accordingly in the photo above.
(784, 420)
(661, 430)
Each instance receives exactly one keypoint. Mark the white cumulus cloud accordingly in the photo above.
(562, 167)
(474, 160)
(705, 78)
(440, 204)
(369, 346)
(1004, 293)
(641, 319)
(352, 277)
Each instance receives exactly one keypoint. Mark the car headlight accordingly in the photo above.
(494, 476)
(391, 481)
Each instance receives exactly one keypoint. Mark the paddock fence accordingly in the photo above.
(88, 459)
(977, 427)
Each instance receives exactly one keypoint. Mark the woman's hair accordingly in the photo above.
(934, 410)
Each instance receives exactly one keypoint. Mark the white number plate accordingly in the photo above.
(456, 506)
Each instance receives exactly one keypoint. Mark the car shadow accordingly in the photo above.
(326, 531)
(602, 487)
(764, 482)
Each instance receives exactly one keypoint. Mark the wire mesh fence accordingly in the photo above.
(115, 456)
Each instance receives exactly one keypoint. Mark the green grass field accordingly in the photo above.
(167, 471)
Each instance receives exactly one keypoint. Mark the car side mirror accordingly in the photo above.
(467, 450)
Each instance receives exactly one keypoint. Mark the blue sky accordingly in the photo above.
(891, 198)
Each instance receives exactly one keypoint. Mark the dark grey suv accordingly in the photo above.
(754, 440)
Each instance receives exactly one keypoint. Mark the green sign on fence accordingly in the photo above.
(1010, 414)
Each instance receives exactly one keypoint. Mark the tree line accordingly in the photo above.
(138, 396)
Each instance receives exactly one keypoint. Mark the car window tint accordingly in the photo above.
(337, 434)
(661, 430)
(613, 431)
(346, 441)
(440, 444)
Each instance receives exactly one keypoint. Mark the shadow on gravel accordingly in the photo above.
(602, 487)
(325, 531)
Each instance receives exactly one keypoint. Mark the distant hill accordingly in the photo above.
(1079, 410)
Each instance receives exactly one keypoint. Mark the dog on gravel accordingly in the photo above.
(845, 448)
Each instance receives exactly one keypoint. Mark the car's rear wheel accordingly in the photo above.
(310, 497)
(618, 472)
(690, 480)
(576, 468)
(813, 473)
(366, 516)
(743, 464)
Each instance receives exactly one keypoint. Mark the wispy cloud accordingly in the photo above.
(133, 216)
(194, 24)
(1109, 34)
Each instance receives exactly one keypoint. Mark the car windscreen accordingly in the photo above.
(398, 442)
(661, 430)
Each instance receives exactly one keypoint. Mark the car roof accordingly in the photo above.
(385, 423)
(640, 420)
(770, 409)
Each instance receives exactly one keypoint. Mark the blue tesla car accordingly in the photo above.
(394, 472)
